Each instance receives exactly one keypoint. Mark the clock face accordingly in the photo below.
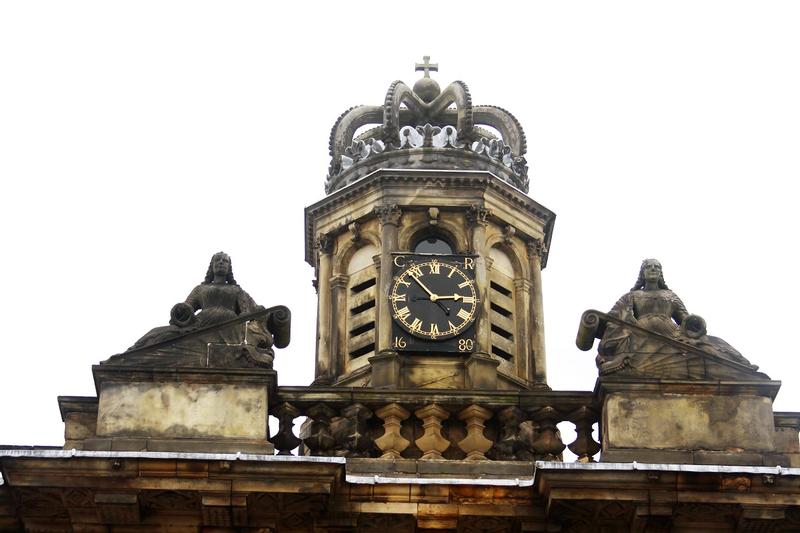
(434, 297)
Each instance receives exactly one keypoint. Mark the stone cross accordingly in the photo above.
(426, 66)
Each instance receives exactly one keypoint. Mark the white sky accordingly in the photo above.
(138, 138)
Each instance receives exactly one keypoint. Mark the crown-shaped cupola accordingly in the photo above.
(426, 127)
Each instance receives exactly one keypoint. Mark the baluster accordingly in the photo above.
(548, 443)
(584, 446)
(509, 442)
(392, 443)
(317, 435)
(432, 443)
(351, 431)
(285, 440)
(475, 444)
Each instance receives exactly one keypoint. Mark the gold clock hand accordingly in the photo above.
(455, 297)
(433, 296)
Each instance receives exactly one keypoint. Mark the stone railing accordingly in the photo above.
(430, 424)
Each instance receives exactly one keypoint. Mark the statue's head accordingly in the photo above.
(220, 265)
(650, 271)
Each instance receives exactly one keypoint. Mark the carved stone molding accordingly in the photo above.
(355, 231)
(477, 215)
(389, 214)
(325, 243)
(433, 216)
(508, 233)
(339, 282)
(536, 248)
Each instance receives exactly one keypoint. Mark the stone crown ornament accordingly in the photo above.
(413, 123)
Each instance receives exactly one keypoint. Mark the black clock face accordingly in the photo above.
(432, 297)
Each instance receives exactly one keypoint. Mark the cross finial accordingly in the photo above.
(426, 66)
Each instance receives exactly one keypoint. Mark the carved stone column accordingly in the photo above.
(392, 443)
(324, 363)
(475, 444)
(386, 363)
(536, 249)
(285, 440)
(338, 333)
(547, 444)
(584, 446)
(481, 367)
(522, 301)
(432, 443)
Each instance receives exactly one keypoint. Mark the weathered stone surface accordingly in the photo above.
(182, 410)
(688, 422)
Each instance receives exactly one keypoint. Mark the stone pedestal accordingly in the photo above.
(183, 409)
(688, 422)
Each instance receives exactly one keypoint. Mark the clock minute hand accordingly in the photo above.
(433, 296)
(455, 297)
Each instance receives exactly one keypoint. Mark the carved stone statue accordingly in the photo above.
(208, 321)
(650, 333)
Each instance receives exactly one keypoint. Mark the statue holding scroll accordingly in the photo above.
(218, 324)
(650, 333)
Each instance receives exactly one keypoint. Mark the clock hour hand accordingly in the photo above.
(436, 301)
(455, 297)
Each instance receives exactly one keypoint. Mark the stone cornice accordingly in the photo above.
(477, 179)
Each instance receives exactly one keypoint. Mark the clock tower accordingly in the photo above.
(427, 249)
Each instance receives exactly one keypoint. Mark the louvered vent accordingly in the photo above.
(361, 313)
(501, 304)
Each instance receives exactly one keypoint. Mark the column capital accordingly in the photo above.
(340, 281)
(477, 215)
(388, 214)
(536, 248)
(325, 243)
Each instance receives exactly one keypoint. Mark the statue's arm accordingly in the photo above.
(245, 303)
(679, 312)
(623, 309)
(194, 299)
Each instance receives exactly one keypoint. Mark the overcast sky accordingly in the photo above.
(138, 138)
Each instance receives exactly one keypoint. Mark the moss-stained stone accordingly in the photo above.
(689, 422)
(183, 410)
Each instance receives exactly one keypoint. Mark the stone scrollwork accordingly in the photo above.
(325, 242)
(536, 248)
(389, 214)
(477, 215)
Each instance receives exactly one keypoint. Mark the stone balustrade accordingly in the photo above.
(429, 424)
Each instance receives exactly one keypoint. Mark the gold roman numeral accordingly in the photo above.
(467, 299)
(464, 284)
(463, 314)
(403, 313)
(416, 325)
(398, 297)
(415, 271)
(434, 266)
(434, 330)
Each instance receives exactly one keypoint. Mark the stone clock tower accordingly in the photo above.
(427, 250)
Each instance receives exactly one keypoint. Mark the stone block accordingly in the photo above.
(688, 422)
(182, 410)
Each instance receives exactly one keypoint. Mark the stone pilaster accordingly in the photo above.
(338, 333)
(324, 363)
(536, 249)
(476, 217)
